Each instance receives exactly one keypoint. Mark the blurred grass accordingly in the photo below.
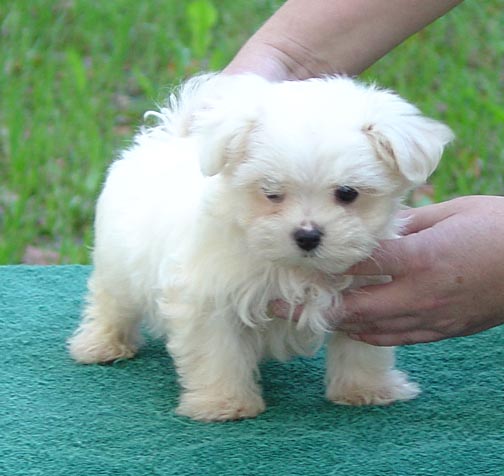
(77, 76)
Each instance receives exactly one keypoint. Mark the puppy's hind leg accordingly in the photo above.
(109, 329)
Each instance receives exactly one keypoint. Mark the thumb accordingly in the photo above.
(397, 257)
(418, 219)
(391, 258)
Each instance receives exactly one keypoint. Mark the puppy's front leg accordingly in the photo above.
(216, 358)
(361, 374)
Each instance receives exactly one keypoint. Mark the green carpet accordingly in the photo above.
(59, 418)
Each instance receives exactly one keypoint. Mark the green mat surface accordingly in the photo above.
(59, 418)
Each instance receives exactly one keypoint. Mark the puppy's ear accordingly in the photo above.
(407, 141)
(222, 126)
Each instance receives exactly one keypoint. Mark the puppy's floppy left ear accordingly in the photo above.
(223, 124)
(405, 139)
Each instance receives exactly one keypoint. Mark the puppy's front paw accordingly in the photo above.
(203, 407)
(391, 387)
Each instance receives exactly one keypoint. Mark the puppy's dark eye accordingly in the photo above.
(275, 197)
(346, 194)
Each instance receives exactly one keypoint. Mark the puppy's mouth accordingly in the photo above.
(312, 259)
(316, 260)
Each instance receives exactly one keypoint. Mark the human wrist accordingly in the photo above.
(273, 61)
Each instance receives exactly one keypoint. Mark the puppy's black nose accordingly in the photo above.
(308, 239)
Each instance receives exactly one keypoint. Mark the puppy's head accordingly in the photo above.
(313, 171)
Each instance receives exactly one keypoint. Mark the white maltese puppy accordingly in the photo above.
(246, 192)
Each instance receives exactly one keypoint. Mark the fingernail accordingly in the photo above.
(354, 337)
(277, 309)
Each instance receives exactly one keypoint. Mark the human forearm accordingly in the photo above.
(309, 38)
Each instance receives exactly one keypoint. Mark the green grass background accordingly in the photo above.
(77, 75)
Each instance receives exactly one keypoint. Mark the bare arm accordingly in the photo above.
(309, 38)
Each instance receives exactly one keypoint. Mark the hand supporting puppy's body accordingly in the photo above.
(200, 256)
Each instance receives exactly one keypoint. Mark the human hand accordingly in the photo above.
(448, 277)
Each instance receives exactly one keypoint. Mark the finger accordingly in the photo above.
(395, 325)
(418, 219)
(392, 258)
(284, 310)
(377, 302)
(392, 340)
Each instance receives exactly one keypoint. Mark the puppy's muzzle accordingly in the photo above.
(308, 238)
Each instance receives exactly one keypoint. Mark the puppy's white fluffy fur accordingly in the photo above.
(196, 224)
